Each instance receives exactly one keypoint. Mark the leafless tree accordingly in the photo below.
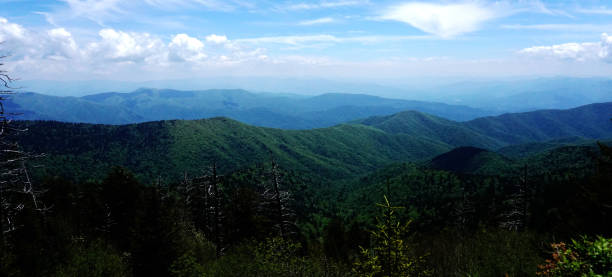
(16, 189)
(204, 199)
(516, 217)
(277, 202)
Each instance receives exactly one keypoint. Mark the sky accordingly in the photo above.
(333, 39)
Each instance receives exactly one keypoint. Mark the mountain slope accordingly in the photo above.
(586, 122)
(423, 125)
(471, 160)
(169, 148)
(590, 121)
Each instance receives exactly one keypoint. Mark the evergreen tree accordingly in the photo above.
(390, 254)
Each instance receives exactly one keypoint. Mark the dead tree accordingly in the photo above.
(204, 199)
(465, 210)
(515, 218)
(276, 202)
(16, 189)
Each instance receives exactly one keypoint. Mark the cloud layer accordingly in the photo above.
(582, 52)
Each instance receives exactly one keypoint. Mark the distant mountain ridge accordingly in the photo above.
(266, 110)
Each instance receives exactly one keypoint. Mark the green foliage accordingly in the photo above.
(390, 254)
(169, 149)
(273, 257)
(97, 259)
(186, 266)
(583, 257)
(484, 252)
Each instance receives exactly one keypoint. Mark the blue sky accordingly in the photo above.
(333, 39)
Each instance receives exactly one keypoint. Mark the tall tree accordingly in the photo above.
(16, 190)
(277, 201)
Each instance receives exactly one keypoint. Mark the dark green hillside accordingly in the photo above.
(169, 148)
(586, 122)
(432, 127)
(471, 160)
(436, 192)
(529, 149)
(590, 121)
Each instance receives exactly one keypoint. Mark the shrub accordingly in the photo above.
(582, 257)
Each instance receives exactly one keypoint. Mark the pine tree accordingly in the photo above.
(390, 254)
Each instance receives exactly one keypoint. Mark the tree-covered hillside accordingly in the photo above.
(168, 148)
(217, 197)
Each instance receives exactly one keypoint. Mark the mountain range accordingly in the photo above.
(171, 148)
(267, 110)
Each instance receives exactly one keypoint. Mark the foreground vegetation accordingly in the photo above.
(265, 221)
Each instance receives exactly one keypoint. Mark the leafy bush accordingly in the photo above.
(273, 257)
(186, 266)
(95, 259)
(580, 258)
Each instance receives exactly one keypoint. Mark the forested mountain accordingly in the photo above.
(222, 198)
(268, 110)
(590, 121)
(169, 148)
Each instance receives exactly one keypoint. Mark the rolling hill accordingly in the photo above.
(169, 148)
(585, 122)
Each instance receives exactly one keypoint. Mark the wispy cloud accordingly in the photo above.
(452, 19)
(600, 11)
(95, 10)
(323, 20)
(444, 20)
(215, 5)
(560, 27)
(104, 11)
(325, 38)
(322, 5)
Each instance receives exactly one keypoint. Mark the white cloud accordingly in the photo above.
(125, 47)
(186, 48)
(317, 21)
(10, 31)
(582, 52)
(62, 44)
(216, 39)
(444, 20)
